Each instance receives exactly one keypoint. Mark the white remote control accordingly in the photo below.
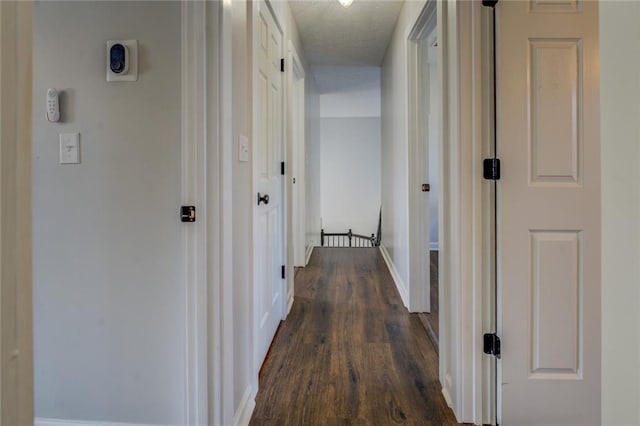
(53, 106)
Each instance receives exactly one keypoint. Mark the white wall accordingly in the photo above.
(348, 90)
(350, 164)
(109, 307)
(395, 160)
(434, 148)
(312, 164)
(395, 144)
(620, 120)
(350, 147)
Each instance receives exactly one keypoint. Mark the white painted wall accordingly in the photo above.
(434, 148)
(109, 306)
(394, 143)
(350, 147)
(620, 120)
(312, 164)
(348, 90)
(350, 164)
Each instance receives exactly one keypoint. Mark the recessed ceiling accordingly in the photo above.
(334, 35)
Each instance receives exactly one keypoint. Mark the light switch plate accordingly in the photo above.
(69, 148)
(243, 149)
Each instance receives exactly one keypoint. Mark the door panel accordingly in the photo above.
(549, 212)
(268, 142)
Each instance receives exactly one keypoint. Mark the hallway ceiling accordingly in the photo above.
(334, 35)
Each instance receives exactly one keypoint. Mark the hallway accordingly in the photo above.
(349, 352)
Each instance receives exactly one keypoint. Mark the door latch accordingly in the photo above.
(426, 187)
(492, 344)
(188, 213)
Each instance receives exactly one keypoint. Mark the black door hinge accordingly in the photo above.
(282, 65)
(283, 270)
(492, 344)
(282, 168)
(188, 213)
(491, 169)
(489, 3)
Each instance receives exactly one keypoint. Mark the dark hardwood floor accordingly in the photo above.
(349, 353)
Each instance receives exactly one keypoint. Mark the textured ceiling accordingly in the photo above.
(334, 35)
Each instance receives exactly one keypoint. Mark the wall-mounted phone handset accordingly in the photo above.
(53, 106)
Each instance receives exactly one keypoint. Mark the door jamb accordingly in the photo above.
(471, 270)
(418, 295)
(465, 233)
(488, 196)
(206, 163)
(16, 382)
(295, 76)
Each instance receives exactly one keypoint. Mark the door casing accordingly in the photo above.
(296, 205)
(16, 325)
(419, 212)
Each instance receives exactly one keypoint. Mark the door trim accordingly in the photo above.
(418, 291)
(295, 241)
(194, 235)
(465, 211)
(206, 167)
(16, 382)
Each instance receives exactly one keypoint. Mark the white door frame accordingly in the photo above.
(194, 235)
(16, 328)
(465, 211)
(295, 119)
(465, 373)
(206, 163)
(418, 294)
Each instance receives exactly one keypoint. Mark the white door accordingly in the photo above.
(268, 180)
(549, 212)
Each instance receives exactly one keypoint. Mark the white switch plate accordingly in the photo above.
(243, 149)
(69, 148)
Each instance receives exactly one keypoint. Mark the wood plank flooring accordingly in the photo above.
(349, 353)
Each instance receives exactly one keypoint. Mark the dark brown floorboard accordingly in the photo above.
(349, 353)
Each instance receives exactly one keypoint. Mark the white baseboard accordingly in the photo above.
(396, 277)
(245, 409)
(447, 397)
(289, 302)
(308, 254)
(42, 421)
(449, 401)
(434, 246)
